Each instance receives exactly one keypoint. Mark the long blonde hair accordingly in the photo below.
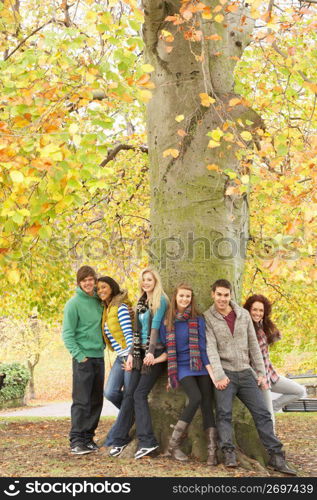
(157, 291)
(171, 312)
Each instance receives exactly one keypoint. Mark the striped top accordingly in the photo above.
(126, 327)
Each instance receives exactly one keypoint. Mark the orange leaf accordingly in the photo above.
(214, 37)
(34, 229)
(232, 8)
(213, 166)
(206, 100)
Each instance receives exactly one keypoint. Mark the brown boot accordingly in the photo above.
(211, 434)
(175, 441)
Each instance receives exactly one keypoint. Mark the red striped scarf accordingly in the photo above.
(194, 351)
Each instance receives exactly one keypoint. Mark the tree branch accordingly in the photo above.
(26, 38)
(113, 153)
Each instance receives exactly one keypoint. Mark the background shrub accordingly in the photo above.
(15, 382)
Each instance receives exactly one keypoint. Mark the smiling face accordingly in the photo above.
(221, 297)
(88, 285)
(183, 299)
(257, 311)
(104, 291)
(148, 282)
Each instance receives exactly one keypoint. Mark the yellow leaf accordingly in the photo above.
(17, 176)
(213, 144)
(147, 68)
(219, 18)
(179, 118)
(13, 276)
(245, 179)
(234, 101)
(246, 135)
(146, 95)
(216, 134)
(171, 152)
(206, 100)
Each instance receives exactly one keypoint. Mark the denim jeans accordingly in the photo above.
(244, 386)
(135, 401)
(290, 391)
(118, 379)
(88, 380)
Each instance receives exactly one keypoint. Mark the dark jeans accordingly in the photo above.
(88, 380)
(199, 392)
(135, 401)
(244, 386)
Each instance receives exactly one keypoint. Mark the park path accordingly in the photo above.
(54, 410)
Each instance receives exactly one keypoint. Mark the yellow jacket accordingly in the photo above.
(110, 316)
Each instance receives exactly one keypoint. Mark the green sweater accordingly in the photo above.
(82, 333)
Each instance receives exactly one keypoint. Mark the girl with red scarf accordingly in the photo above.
(188, 366)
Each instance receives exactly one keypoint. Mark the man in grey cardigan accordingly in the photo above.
(232, 347)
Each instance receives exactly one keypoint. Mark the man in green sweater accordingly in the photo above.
(82, 336)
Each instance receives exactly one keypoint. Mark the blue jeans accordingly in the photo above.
(117, 379)
(135, 401)
(244, 386)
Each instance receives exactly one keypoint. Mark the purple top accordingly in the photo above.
(182, 347)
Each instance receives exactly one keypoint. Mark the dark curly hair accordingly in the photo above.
(269, 328)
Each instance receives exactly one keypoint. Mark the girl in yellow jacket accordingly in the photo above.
(117, 334)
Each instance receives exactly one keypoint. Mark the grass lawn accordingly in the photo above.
(39, 447)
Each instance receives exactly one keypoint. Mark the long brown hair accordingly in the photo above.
(171, 311)
(269, 328)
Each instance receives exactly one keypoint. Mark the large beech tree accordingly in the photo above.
(199, 223)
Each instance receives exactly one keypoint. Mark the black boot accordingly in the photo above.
(277, 462)
(230, 459)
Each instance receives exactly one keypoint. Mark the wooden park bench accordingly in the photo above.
(303, 404)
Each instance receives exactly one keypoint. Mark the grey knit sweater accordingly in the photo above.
(232, 352)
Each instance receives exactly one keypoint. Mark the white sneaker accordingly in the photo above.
(144, 451)
(116, 450)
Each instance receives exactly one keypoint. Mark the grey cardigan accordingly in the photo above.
(232, 352)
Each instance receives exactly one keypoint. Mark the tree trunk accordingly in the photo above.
(31, 367)
(199, 231)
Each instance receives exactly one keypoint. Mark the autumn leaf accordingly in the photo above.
(235, 101)
(246, 135)
(213, 166)
(147, 68)
(206, 100)
(214, 37)
(213, 144)
(219, 18)
(171, 152)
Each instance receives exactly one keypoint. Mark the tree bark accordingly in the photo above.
(199, 233)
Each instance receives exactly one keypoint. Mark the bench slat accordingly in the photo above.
(305, 404)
